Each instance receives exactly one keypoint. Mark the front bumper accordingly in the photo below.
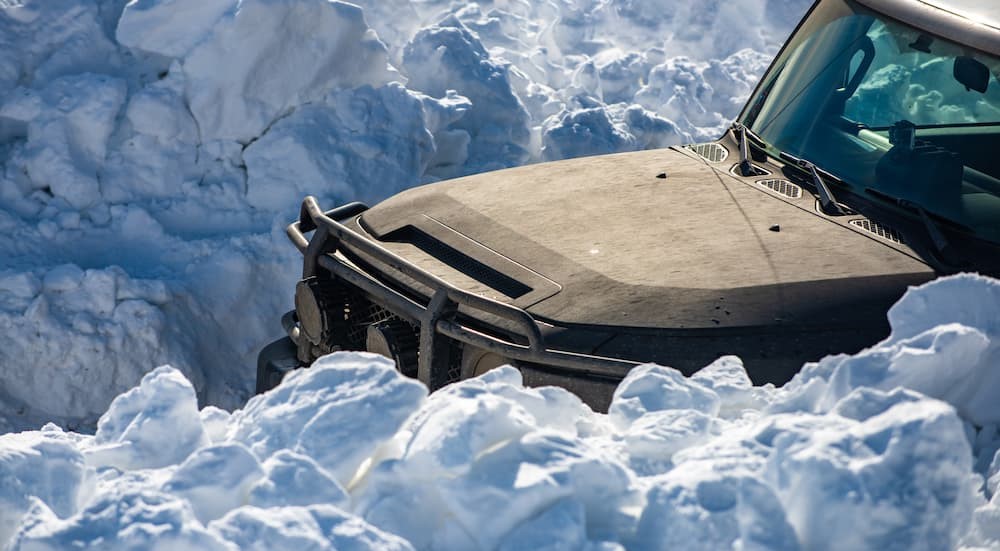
(446, 318)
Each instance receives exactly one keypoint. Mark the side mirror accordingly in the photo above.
(972, 74)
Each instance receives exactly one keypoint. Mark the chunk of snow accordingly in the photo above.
(366, 140)
(319, 527)
(39, 466)
(950, 321)
(130, 520)
(447, 57)
(336, 412)
(215, 480)
(247, 64)
(294, 479)
(650, 387)
(153, 425)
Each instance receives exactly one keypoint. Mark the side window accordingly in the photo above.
(907, 81)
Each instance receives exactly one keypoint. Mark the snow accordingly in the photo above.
(350, 454)
(151, 154)
(947, 327)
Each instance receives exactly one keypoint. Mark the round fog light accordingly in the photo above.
(319, 305)
(308, 310)
(396, 340)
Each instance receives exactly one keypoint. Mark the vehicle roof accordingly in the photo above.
(975, 23)
(976, 10)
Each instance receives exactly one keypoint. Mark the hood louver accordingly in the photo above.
(712, 152)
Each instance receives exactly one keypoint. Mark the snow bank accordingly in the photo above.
(945, 325)
(151, 151)
(349, 454)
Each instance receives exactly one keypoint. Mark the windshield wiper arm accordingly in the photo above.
(937, 237)
(746, 167)
(826, 199)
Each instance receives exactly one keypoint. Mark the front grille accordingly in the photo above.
(454, 361)
(360, 312)
(875, 228)
(783, 187)
(712, 152)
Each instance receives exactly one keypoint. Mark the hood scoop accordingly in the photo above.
(458, 258)
(459, 261)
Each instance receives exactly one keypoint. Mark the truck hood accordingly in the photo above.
(610, 240)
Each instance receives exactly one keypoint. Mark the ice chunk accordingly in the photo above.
(294, 479)
(504, 487)
(46, 39)
(447, 57)
(652, 440)
(66, 277)
(68, 125)
(728, 378)
(900, 479)
(170, 27)
(650, 387)
(161, 153)
(944, 338)
(216, 423)
(215, 480)
(336, 412)
(561, 527)
(130, 520)
(153, 425)
(256, 63)
(79, 320)
(584, 132)
(319, 528)
(358, 145)
(698, 506)
(43, 466)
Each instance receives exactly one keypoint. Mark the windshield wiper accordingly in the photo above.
(937, 237)
(746, 167)
(828, 203)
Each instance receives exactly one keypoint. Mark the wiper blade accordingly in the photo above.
(746, 167)
(937, 237)
(826, 199)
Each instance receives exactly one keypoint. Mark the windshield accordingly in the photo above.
(900, 116)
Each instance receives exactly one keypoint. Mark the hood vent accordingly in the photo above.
(460, 261)
(782, 187)
(712, 152)
(875, 228)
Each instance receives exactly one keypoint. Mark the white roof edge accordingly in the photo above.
(980, 11)
(963, 21)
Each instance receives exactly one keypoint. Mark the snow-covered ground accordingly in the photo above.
(892, 448)
(150, 156)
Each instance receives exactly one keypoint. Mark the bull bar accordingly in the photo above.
(437, 319)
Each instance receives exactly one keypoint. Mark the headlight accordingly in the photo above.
(318, 305)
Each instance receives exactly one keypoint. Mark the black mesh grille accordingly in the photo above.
(454, 361)
(360, 312)
(784, 187)
(710, 151)
(884, 232)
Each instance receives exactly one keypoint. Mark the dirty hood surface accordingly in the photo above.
(608, 240)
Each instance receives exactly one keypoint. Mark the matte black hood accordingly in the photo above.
(605, 241)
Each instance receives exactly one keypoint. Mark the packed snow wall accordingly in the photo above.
(151, 153)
